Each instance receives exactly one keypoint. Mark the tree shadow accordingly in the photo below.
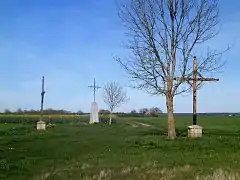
(161, 132)
(220, 132)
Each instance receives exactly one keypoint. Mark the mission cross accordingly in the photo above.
(42, 97)
(193, 83)
(95, 87)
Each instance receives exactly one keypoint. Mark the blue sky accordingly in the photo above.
(70, 42)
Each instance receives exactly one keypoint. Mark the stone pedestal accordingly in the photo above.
(194, 131)
(41, 125)
(94, 113)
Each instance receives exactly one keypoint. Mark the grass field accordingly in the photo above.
(128, 149)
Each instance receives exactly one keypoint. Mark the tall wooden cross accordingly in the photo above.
(95, 87)
(42, 97)
(193, 84)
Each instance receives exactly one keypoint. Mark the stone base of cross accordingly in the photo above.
(94, 113)
(195, 130)
(41, 125)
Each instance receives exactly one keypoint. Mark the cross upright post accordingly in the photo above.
(195, 91)
(95, 87)
(42, 97)
(41, 125)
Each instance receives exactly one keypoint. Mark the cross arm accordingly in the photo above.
(95, 87)
(197, 79)
(180, 79)
(202, 79)
(207, 79)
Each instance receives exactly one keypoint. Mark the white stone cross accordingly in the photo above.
(94, 107)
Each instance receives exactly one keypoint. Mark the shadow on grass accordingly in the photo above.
(161, 132)
(221, 132)
(181, 132)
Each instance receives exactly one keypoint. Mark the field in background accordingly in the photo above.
(37, 116)
(131, 148)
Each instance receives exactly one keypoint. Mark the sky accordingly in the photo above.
(71, 42)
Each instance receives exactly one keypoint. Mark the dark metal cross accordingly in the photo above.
(193, 84)
(94, 89)
(42, 97)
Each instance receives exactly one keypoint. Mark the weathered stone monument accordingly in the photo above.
(41, 125)
(94, 107)
(195, 130)
(94, 113)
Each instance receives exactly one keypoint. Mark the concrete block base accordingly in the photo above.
(194, 131)
(41, 125)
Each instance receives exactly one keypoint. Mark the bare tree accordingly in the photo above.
(113, 96)
(163, 36)
(155, 111)
(143, 111)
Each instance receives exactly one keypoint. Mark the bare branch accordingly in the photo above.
(162, 37)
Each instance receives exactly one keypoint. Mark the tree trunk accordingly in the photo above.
(110, 118)
(171, 124)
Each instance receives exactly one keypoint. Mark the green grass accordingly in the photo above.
(76, 150)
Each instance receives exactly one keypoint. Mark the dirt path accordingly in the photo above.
(143, 124)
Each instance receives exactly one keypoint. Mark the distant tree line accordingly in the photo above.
(49, 111)
(143, 112)
(151, 112)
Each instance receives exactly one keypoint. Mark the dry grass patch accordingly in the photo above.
(221, 175)
(147, 172)
(143, 172)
